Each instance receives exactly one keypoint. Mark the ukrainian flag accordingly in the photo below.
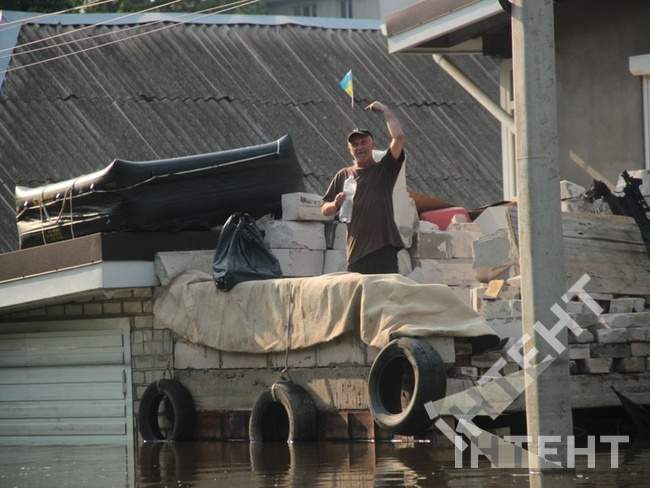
(346, 84)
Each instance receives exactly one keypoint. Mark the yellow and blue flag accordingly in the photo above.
(346, 85)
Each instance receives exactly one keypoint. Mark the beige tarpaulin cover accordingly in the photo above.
(256, 316)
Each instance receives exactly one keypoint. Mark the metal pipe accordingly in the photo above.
(473, 89)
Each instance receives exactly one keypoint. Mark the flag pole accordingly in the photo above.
(352, 96)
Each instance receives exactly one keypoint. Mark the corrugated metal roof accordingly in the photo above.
(200, 88)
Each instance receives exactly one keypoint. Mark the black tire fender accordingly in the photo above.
(416, 363)
(268, 422)
(182, 416)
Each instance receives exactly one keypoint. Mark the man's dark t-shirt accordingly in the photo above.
(373, 224)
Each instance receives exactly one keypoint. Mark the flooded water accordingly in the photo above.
(281, 465)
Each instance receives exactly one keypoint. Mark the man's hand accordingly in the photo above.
(394, 128)
(376, 107)
(330, 208)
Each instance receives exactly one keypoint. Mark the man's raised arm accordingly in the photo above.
(398, 139)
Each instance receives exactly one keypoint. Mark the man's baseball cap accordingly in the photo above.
(359, 132)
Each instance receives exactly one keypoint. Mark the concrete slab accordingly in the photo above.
(280, 234)
(168, 265)
(302, 206)
(300, 262)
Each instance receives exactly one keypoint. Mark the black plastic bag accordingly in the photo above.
(242, 255)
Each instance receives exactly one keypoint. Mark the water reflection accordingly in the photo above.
(328, 464)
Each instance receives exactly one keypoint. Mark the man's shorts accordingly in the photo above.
(382, 260)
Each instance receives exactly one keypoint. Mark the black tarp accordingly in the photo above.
(169, 194)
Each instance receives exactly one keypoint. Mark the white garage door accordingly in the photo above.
(65, 387)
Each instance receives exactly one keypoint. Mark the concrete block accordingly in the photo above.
(568, 189)
(459, 219)
(73, 309)
(342, 350)
(404, 264)
(640, 348)
(143, 362)
(280, 234)
(629, 365)
(464, 226)
(426, 227)
(188, 355)
(237, 360)
(638, 334)
(340, 237)
(626, 305)
(302, 206)
(462, 242)
(611, 351)
(143, 322)
(579, 351)
(620, 320)
(112, 308)
(594, 366)
(450, 272)
(435, 245)
(577, 205)
(299, 358)
(405, 212)
(168, 265)
(142, 292)
(585, 320)
(493, 256)
(611, 336)
(575, 307)
(492, 219)
(92, 309)
(300, 262)
(501, 309)
(132, 307)
(463, 372)
(335, 261)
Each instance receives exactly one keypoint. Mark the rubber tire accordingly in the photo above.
(298, 406)
(182, 404)
(429, 384)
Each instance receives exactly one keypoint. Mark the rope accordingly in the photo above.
(284, 374)
(42, 208)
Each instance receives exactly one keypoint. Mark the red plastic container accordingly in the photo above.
(442, 217)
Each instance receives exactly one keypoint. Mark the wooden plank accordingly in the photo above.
(608, 248)
(62, 391)
(113, 355)
(62, 427)
(592, 391)
(37, 342)
(65, 374)
(63, 409)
